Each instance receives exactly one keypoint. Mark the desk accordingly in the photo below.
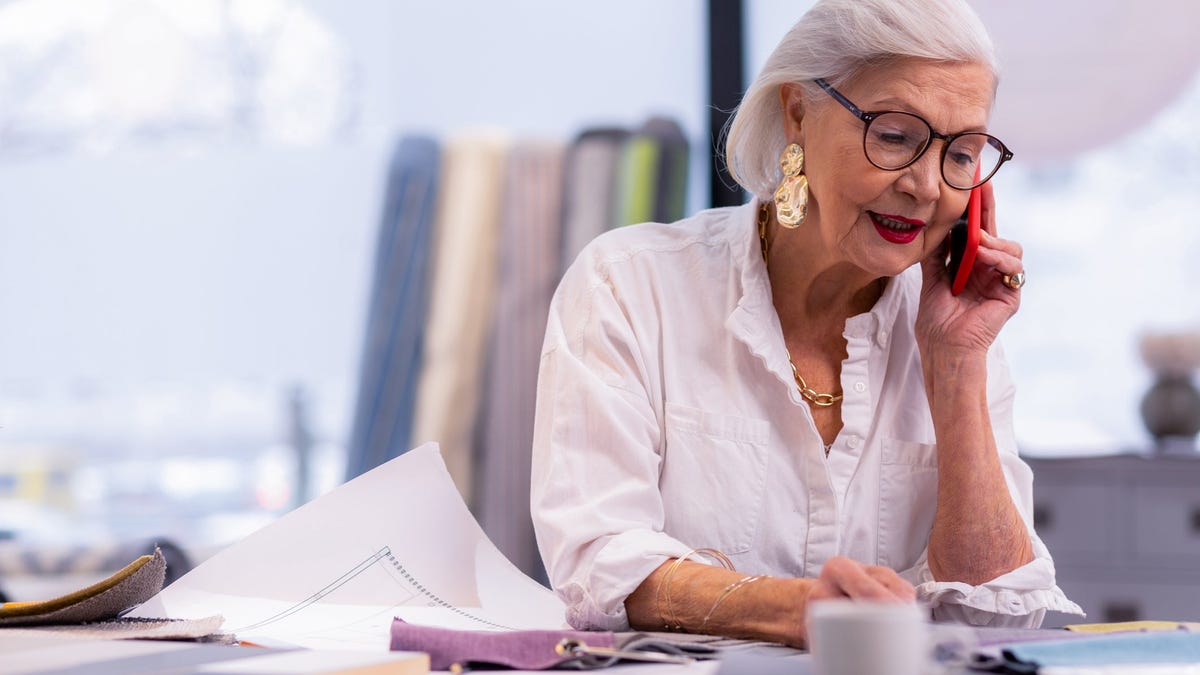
(116, 657)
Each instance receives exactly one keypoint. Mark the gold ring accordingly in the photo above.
(1013, 281)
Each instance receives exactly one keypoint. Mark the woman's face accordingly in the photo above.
(866, 215)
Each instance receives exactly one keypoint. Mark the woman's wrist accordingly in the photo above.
(776, 611)
(953, 360)
(951, 375)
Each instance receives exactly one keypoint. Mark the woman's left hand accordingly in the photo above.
(969, 322)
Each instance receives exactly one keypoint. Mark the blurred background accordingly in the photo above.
(197, 200)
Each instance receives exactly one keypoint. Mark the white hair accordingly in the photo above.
(834, 40)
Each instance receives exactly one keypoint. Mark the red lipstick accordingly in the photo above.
(896, 229)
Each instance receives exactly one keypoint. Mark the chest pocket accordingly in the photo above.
(714, 477)
(907, 501)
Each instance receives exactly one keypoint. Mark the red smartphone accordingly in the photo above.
(964, 242)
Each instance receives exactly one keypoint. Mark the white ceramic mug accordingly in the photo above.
(855, 637)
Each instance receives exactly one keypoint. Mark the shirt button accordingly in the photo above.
(883, 337)
(860, 387)
(853, 442)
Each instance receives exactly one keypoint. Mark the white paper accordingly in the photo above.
(396, 541)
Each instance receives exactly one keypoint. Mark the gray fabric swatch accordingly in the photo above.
(109, 603)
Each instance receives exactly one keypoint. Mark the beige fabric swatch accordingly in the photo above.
(461, 297)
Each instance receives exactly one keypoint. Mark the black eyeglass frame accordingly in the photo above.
(947, 139)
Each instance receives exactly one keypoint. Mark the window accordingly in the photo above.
(173, 174)
(1112, 254)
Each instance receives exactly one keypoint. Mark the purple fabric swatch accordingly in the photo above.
(522, 649)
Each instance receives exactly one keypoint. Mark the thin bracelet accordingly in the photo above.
(728, 590)
(671, 622)
(668, 620)
(718, 556)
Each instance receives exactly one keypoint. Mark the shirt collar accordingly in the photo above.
(754, 320)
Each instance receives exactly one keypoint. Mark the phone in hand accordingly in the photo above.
(964, 242)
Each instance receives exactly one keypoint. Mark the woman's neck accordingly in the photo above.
(811, 285)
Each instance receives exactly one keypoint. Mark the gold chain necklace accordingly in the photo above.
(811, 395)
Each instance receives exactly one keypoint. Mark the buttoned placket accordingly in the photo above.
(756, 324)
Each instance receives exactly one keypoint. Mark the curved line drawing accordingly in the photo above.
(382, 554)
(363, 566)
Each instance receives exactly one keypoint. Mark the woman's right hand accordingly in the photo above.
(847, 578)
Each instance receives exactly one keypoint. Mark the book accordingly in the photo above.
(324, 662)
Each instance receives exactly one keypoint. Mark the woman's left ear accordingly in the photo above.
(791, 100)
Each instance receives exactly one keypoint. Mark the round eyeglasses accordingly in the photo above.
(893, 140)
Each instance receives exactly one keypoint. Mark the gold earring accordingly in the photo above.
(791, 197)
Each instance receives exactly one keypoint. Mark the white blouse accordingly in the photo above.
(668, 419)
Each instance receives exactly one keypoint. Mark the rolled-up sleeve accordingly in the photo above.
(1021, 597)
(596, 506)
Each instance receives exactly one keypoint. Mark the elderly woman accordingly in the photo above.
(789, 388)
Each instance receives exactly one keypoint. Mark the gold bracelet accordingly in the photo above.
(718, 556)
(666, 581)
(744, 581)
(671, 622)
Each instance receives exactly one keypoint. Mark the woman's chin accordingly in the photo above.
(890, 265)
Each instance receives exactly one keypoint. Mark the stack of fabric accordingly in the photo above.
(475, 234)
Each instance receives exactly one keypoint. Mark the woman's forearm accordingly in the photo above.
(768, 608)
(978, 534)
